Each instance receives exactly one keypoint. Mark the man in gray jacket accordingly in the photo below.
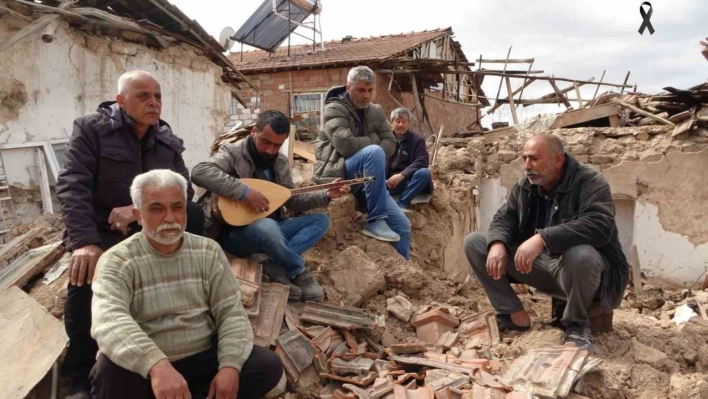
(283, 240)
(557, 233)
(355, 142)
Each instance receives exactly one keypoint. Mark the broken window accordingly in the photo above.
(312, 104)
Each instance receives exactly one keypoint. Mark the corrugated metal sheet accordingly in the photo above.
(267, 31)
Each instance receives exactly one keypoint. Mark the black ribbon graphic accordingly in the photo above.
(646, 17)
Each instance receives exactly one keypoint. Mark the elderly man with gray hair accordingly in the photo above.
(167, 312)
(407, 173)
(355, 141)
(107, 149)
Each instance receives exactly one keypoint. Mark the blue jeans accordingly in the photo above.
(371, 161)
(284, 242)
(408, 189)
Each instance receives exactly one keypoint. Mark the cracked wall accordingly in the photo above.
(69, 77)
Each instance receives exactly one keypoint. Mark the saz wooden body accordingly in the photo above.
(238, 213)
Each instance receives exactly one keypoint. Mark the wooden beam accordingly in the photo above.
(626, 78)
(500, 80)
(512, 107)
(304, 150)
(514, 71)
(577, 116)
(291, 141)
(598, 86)
(485, 73)
(31, 28)
(643, 113)
(507, 60)
(559, 94)
(577, 95)
(506, 100)
(452, 101)
(58, 10)
(437, 145)
(44, 191)
(418, 106)
(521, 95)
(636, 270)
(554, 96)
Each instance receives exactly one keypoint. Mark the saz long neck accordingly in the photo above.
(331, 185)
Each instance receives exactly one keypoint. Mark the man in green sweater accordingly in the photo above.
(167, 312)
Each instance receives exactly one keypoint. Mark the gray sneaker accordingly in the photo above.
(580, 335)
(277, 274)
(311, 291)
(380, 230)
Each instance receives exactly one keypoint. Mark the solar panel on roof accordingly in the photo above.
(266, 30)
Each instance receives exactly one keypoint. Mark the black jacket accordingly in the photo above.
(101, 160)
(582, 213)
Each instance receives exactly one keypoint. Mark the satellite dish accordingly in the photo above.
(225, 38)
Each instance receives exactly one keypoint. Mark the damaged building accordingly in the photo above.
(294, 79)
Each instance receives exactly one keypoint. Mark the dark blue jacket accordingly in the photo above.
(410, 155)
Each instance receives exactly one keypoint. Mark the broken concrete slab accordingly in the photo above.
(336, 316)
(430, 326)
(348, 285)
(400, 307)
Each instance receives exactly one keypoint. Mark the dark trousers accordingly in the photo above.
(573, 277)
(81, 354)
(260, 374)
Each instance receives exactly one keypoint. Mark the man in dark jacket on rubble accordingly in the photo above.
(108, 148)
(557, 233)
(407, 174)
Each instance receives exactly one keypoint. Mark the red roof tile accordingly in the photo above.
(335, 52)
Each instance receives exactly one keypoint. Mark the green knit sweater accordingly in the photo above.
(148, 306)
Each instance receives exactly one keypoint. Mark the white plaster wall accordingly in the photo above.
(664, 254)
(69, 77)
(494, 195)
(624, 217)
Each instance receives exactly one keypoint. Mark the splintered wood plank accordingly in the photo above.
(32, 340)
(36, 261)
(577, 116)
(267, 325)
(636, 269)
(304, 150)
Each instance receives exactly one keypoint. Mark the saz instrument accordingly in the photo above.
(239, 213)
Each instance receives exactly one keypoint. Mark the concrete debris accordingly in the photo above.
(400, 307)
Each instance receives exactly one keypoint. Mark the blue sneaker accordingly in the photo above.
(379, 230)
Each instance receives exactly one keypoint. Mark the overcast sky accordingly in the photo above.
(570, 39)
